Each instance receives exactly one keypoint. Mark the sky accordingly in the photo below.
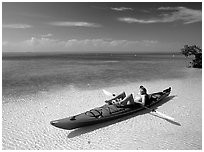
(100, 27)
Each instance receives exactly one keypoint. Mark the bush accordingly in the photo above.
(196, 51)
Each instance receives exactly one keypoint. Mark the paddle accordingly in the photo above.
(152, 110)
(108, 93)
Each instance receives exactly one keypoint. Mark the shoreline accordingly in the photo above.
(91, 87)
(25, 121)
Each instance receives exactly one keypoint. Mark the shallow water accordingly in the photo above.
(25, 75)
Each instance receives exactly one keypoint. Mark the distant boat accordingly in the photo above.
(135, 55)
(173, 55)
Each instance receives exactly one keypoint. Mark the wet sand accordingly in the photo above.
(26, 120)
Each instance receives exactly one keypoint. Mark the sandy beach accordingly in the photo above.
(26, 119)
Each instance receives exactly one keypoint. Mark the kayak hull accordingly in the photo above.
(104, 113)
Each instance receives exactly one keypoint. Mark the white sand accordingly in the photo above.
(26, 120)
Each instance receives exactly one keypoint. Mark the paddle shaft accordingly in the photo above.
(153, 110)
(159, 113)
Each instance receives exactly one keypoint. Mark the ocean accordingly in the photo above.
(30, 74)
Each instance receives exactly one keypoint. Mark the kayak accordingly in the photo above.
(108, 112)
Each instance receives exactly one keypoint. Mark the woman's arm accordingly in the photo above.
(140, 99)
(143, 100)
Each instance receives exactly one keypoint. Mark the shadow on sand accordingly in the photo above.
(83, 130)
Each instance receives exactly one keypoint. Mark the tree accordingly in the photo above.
(196, 51)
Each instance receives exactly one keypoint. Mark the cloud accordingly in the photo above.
(16, 26)
(35, 44)
(42, 43)
(47, 35)
(95, 42)
(121, 9)
(134, 20)
(170, 14)
(168, 8)
(75, 24)
(182, 13)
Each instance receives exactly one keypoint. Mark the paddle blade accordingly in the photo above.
(164, 116)
(107, 93)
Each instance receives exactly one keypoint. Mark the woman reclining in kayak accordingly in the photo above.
(141, 98)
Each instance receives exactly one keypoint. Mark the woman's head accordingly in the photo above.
(142, 90)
